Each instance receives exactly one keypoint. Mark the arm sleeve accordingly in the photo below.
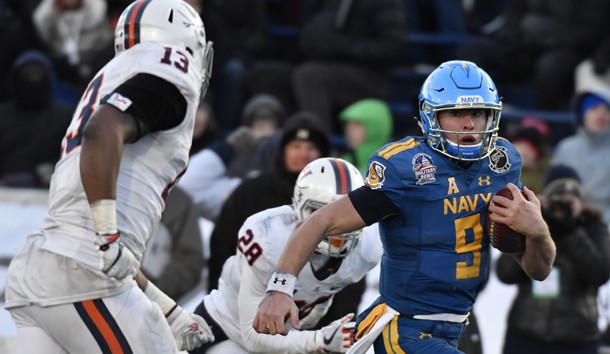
(155, 103)
(372, 205)
(251, 293)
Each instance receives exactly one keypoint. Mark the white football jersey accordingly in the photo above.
(149, 168)
(243, 282)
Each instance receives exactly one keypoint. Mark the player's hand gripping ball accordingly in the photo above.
(501, 236)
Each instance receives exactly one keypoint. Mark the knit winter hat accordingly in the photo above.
(587, 101)
(555, 172)
(263, 107)
(305, 126)
(560, 179)
(531, 136)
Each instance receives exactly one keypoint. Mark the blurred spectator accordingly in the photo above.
(593, 72)
(216, 171)
(601, 58)
(437, 16)
(264, 115)
(205, 130)
(453, 19)
(116, 7)
(587, 150)
(302, 141)
(444, 17)
(238, 29)
(347, 49)
(531, 138)
(17, 34)
(470, 341)
(559, 315)
(77, 36)
(545, 40)
(231, 308)
(368, 126)
(32, 125)
(481, 13)
(174, 253)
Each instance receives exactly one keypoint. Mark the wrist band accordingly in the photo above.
(282, 282)
(155, 295)
(104, 216)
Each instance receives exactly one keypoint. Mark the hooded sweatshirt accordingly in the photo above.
(587, 152)
(377, 120)
(32, 124)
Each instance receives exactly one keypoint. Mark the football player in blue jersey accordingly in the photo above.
(430, 195)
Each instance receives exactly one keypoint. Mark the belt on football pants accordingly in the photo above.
(449, 317)
(435, 328)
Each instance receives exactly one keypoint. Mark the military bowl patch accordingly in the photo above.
(376, 175)
(424, 168)
(498, 160)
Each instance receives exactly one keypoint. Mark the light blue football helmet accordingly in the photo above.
(459, 85)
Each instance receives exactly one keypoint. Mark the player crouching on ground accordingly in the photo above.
(338, 261)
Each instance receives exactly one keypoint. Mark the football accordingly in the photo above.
(501, 236)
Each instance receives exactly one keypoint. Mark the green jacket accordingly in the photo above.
(375, 116)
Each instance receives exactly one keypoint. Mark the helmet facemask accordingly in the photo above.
(321, 182)
(337, 246)
(459, 85)
(448, 143)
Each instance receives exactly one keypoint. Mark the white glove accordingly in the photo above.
(337, 337)
(315, 315)
(118, 261)
(190, 330)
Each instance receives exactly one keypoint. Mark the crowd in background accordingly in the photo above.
(297, 80)
(307, 55)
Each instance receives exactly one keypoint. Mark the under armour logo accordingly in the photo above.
(485, 180)
(278, 280)
(423, 335)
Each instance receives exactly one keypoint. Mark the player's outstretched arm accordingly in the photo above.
(523, 214)
(278, 305)
(190, 330)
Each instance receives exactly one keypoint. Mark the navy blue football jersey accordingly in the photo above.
(436, 251)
